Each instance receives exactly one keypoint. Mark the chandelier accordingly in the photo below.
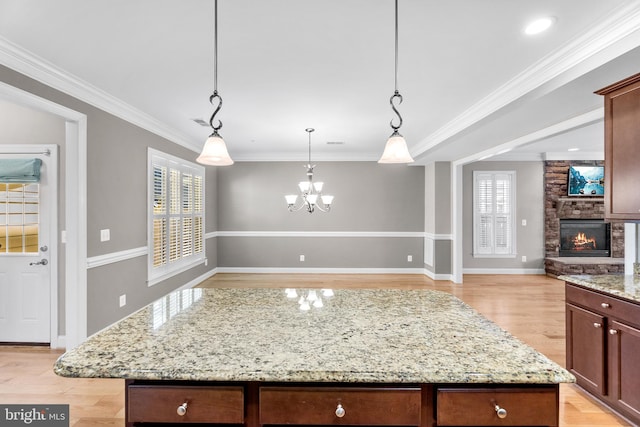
(310, 196)
(396, 151)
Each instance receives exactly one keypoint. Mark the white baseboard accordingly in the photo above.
(503, 271)
(312, 270)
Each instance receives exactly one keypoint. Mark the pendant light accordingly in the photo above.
(215, 152)
(396, 151)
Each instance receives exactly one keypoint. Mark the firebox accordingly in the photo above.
(585, 237)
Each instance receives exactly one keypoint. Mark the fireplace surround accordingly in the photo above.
(585, 238)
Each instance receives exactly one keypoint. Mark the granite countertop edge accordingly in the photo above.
(617, 285)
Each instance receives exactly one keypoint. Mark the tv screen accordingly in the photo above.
(586, 181)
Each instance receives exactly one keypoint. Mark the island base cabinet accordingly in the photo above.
(497, 406)
(340, 406)
(184, 404)
(624, 351)
(257, 404)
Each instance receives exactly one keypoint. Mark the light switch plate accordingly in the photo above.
(105, 235)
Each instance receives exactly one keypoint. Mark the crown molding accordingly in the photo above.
(618, 26)
(37, 68)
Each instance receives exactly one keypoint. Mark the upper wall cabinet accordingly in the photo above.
(622, 149)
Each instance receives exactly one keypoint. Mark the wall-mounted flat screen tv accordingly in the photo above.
(586, 180)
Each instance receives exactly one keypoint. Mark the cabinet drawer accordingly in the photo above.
(477, 407)
(318, 406)
(603, 304)
(152, 403)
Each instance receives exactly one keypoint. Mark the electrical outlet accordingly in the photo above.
(206, 262)
(123, 300)
(105, 235)
(301, 258)
(524, 222)
(524, 258)
(409, 258)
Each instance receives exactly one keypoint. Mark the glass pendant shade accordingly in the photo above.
(312, 198)
(318, 186)
(303, 186)
(214, 152)
(396, 151)
(327, 199)
(291, 199)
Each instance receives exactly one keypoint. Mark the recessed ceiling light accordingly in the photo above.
(539, 25)
(573, 149)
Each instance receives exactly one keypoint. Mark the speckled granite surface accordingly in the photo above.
(370, 336)
(623, 286)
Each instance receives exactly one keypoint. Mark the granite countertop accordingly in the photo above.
(619, 285)
(365, 336)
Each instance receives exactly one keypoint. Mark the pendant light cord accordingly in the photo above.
(215, 95)
(396, 48)
(309, 130)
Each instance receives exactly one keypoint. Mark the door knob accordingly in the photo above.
(44, 248)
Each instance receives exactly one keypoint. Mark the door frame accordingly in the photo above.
(74, 237)
(50, 150)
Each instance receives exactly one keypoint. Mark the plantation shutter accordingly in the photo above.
(176, 215)
(493, 213)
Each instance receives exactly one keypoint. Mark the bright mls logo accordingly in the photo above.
(34, 415)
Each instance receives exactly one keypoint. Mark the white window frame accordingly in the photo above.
(491, 248)
(192, 258)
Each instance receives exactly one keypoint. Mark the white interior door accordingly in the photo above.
(25, 252)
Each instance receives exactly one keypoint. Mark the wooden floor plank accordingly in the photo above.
(531, 307)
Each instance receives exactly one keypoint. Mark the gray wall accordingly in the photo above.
(368, 198)
(529, 206)
(116, 199)
(438, 216)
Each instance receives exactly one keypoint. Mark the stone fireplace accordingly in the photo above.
(561, 208)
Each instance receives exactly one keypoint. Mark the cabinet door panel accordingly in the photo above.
(624, 368)
(585, 348)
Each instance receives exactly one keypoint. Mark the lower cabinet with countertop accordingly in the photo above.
(256, 404)
(603, 339)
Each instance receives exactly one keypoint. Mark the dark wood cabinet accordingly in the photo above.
(621, 149)
(586, 349)
(603, 344)
(624, 350)
(256, 404)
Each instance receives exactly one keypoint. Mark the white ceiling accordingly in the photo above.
(473, 83)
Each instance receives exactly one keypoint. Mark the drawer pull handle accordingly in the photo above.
(182, 409)
(501, 412)
(613, 331)
(340, 411)
(597, 325)
(605, 305)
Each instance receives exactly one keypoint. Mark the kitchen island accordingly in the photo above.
(360, 357)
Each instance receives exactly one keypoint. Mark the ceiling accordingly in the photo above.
(473, 83)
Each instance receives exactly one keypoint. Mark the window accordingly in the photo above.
(19, 218)
(176, 215)
(494, 214)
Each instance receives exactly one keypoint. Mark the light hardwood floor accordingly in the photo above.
(530, 307)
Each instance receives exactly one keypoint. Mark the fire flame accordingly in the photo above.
(582, 242)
